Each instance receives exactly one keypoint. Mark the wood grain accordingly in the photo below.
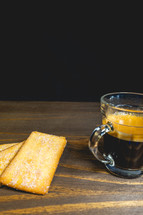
(81, 184)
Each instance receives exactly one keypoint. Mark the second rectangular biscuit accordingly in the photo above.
(8, 154)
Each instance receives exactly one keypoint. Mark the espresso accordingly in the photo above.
(125, 142)
(126, 154)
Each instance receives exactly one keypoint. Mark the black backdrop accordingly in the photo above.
(71, 58)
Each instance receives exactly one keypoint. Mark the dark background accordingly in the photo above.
(75, 54)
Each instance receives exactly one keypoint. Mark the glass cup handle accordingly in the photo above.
(94, 142)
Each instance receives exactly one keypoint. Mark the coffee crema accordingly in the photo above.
(126, 126)
(125, 142)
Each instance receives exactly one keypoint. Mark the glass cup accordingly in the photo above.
(118, 142)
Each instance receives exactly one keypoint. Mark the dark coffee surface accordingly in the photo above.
(126, 154)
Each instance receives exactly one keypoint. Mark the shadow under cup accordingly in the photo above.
(121, 134)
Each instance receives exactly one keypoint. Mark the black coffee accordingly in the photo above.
(126, 154)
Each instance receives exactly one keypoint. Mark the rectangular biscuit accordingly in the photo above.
(33, 167)
(7, 155)
(6, 145)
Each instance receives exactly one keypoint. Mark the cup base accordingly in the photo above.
(123, 173)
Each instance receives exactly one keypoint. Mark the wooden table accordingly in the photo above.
(81, 184)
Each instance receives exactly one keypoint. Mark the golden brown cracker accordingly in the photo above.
(7, 155)
(33, 167)
(6, 145)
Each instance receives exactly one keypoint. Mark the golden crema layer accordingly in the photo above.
(126, 126)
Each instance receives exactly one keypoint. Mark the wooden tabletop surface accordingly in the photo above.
(81, 184)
